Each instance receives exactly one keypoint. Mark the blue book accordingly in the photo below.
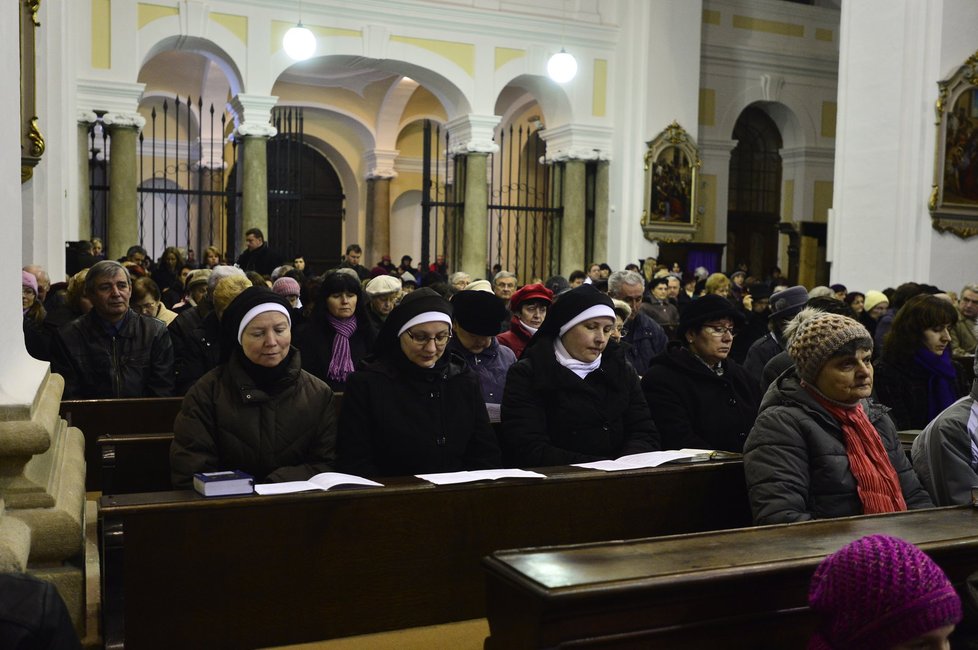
(219, 484)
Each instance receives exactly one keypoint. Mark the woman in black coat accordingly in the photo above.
(699, 398)
(339, 334)
(572, 397)
(412, 408)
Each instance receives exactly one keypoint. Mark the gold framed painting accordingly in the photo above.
(672, 164)
(31, 140)
(954, 196)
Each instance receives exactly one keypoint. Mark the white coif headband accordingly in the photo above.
(598, 311)
(426, 317)
(261, 309)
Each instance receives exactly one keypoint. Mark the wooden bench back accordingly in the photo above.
(301, 568)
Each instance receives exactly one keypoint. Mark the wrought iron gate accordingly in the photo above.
(523, 208)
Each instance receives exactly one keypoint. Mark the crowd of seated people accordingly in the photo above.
(595, 366)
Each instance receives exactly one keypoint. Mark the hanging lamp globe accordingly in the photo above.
(299, 43)
(562, 67)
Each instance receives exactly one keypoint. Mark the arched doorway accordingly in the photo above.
(754, 198)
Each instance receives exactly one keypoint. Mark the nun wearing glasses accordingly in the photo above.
(413, 407)
(699, 398)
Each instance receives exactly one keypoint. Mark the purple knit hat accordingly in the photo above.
(877, 592)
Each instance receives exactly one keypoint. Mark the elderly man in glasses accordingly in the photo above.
(644, 338)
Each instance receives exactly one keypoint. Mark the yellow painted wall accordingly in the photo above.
(101, 34)
(823, 34)
(461, 54)
(423, 103)
(828, 119)
(708, 107)
(808, 261)
(769, 26)
(147, 13)
(711, 17)
(237, 25)
(822, 201)
(600, 91)
(506, 54)
(708, 200)
(410, 141)
(345, 101)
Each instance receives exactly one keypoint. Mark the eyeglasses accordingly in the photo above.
(421, 340)
(719, 331)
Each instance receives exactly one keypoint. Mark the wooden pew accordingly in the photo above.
(98, 417)
(183, 571)
(733, 589)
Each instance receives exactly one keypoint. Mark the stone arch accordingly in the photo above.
(348, 176)
(794, 121)
(551, 96)
(444, 79)
(163, 36)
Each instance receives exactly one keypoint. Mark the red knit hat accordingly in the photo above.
(877, 592)
(530, 292)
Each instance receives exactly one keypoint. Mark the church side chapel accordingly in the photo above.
(605, 323)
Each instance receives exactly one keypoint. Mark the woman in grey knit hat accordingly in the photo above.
(819, 447)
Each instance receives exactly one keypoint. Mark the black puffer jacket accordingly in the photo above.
(226, 422)
(196, 346)
(796, 463)
(135, 362)
(693, 407)
(400, 419)
(552, 417)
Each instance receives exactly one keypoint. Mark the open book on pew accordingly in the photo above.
(451, 478)
(656, 458)
(324, 481)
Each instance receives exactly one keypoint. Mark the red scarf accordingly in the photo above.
(876, 481)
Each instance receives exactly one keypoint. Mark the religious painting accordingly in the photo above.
(671, 170)
(954, 195)
(31, 140)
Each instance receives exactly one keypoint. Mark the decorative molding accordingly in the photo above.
(472, 134)
(109, 96)
(771, 87)
(122, 119)
(86, 116)
(31, 141)
(253, 115)
(577, 142)
(379, 163)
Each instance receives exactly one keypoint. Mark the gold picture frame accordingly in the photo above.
(31, 140)
(953, 201)
(672, 164)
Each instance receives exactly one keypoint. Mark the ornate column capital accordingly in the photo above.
(472, 134)
(108, 96)
(86, 117)
(577, 142)
(124, 119)
(253, 115)
(379, 163)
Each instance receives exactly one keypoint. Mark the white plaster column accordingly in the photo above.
(713, 189)
(656, 81)
(892, 53)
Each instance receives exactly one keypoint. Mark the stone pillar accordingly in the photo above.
(475, 233)
(379, 172)
(123, 221)
(601, 184)
(252, 120)
(572, 230)
(85, 120)
(576, 144)
(472, 136)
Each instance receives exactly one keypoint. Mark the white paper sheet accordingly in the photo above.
(451, 478)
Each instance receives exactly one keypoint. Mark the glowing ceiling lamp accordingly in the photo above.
(562, 66)
(299, 42)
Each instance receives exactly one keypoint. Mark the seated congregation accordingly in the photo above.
(478, 374)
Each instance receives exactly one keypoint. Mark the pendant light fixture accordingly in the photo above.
(562, 66)
(299, 42)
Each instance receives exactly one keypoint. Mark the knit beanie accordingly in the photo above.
(707, 308)
(877, 592)
(286, 286)
(874, 298)
(813, 336)
(478, 312)
(28, 280)
(573, 307)
(530, 292)
(418, 302)
(246, 306)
